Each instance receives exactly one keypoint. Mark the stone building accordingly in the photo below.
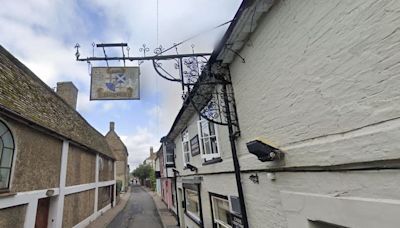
(55, 169)
(151, 160)
(319, 82)
(121, 155)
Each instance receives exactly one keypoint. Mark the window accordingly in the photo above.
(221, 215)
(192, 204)
(6, 155)
(185, 147)
(168, 149)
(208, 140)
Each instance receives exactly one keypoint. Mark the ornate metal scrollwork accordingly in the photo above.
(213, 94)
(206, 87)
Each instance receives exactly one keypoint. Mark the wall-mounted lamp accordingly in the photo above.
(191, 167)
(263, 151)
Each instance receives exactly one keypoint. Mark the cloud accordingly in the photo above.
(138, 145)
(42, 34)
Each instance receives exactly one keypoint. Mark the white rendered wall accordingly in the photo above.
(321, 82)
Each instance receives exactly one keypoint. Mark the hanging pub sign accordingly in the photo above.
(115, 83)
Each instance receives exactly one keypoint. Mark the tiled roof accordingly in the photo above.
(23, 93)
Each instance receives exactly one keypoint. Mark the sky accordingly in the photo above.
(42, 34)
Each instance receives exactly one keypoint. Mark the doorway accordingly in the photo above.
(42, 213)
(181, 209)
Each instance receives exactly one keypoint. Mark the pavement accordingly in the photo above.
(140, 211)
(167, 218)
(108, 216)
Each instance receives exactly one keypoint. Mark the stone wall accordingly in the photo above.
(38, 159)
(81, 167)
(13, 216)
(78, 207)
(121, 172)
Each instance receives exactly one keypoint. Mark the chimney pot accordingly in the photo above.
(68, 92)
(112, 126)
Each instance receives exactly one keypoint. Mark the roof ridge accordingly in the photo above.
(25, 71)
(35, 77)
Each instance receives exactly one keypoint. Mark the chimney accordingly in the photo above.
(112, 126)
(69, 92)
(151, 151)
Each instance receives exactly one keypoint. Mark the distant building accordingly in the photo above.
(157, 173)
(167, 177)
(55, 169)
(121, 155)
(151, 160)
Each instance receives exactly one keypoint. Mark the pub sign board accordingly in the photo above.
(115, 83)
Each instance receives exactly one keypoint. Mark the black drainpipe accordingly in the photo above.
(235, 159)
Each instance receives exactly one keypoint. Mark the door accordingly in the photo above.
(42, 213)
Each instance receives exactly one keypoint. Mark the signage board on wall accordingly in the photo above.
(115, 83)
(236, 221)
(194, 145)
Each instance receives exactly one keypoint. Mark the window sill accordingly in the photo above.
(4, 194)
(212, 161)
(193, 218)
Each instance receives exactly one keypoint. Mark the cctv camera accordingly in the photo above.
(263, 151)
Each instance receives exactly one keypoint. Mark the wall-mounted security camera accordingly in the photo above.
(191, 167)
(263, 151)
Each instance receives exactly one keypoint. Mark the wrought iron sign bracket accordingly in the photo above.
(207, 88)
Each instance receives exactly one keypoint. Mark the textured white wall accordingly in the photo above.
(321, 82)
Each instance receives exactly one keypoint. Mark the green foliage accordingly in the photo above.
(153, 180)
(143, 172)
(119, 186)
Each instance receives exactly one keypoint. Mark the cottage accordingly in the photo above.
(318, 81)
(120, 152)
(56, 170)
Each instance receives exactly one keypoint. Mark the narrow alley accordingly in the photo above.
(140, 211)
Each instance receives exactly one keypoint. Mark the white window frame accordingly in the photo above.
(165, 152)
(183, 147)
(204, 156)
(192, 214)
(219, 222)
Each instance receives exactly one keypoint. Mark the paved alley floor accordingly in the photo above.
(140, 211)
